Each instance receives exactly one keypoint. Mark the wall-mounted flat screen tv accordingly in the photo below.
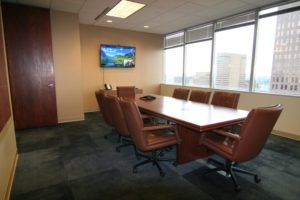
(115, 56)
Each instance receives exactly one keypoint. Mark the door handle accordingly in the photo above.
(51, 85)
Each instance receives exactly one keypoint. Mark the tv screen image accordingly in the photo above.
(117, 56)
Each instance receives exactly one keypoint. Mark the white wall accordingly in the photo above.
(67, 65)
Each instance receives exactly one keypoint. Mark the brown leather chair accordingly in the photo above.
(246, 145)
(181, 93)
(200, 96)
(148, 139)
(119, 122)
(225, 99)
(126, 91)
(104, 111)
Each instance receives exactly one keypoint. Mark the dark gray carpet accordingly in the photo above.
(74, 161)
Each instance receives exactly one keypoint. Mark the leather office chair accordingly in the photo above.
(104, 111)
(119, 122)
(181, 93)
(148, 139)
(246, 145)
(200, 96)
(225, 99)
(126, 91)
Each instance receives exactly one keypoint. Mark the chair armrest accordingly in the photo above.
(227, 134)
(157, 127)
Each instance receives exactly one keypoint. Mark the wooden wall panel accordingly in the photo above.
(4, 95)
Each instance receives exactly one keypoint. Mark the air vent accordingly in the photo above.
(106, 10)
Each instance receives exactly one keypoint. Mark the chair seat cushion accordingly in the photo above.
(219, 143)
(161, 138)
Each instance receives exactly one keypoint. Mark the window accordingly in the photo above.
(197, 64)
(173, 65)
(269, 46)
(198, 56)
(233, 54)
(173, 58)
(274, 67)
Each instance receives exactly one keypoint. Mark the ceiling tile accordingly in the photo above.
(224, 9)
(163, 16)
(167, 4)
(72, 6)
(96, 5)
(103, 21)
(207, 3)
(189, 9)
(143, 16)
(145, 1)
(87, 18)
(167, 17)
(261, 2)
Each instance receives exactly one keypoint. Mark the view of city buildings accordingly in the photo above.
(199, 79)
(276, 56)
(286, 58)
(231, 71)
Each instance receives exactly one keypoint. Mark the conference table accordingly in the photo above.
(191, 118)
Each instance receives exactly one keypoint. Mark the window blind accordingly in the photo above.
(235, 21)
(175, 39)
(199, 33)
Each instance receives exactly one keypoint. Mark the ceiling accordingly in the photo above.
(162, 16)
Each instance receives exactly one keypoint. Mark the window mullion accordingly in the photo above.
(211, 85)
(253, 54)
(183, 65)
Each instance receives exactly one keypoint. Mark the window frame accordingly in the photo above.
(257, 16)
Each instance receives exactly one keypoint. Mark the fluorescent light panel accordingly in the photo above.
(124, 9)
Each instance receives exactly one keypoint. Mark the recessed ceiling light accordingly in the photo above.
(109, 21)
(125, 8)
(146, 26)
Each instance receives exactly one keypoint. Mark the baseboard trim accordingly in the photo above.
(286, 135)
(11, 177)
(71, 120)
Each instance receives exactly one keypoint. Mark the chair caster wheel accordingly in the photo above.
(162, 174)
(134, 170)
(257, 179)
(238, 188)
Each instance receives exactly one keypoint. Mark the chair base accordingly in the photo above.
(230, 167)
(125, 143)
(155, 158)
(111, 133)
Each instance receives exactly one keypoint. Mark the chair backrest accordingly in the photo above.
(181, 93)
(200, 96)
(255, 132)
(103, 108)
(116, 114)
(225, 99)
(134, 123)
(126, 91)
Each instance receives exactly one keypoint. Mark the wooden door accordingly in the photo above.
(30, 65)
(4, 100)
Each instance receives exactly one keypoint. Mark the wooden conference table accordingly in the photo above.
(191, 118)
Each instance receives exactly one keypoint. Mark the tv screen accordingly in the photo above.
(117, 56)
